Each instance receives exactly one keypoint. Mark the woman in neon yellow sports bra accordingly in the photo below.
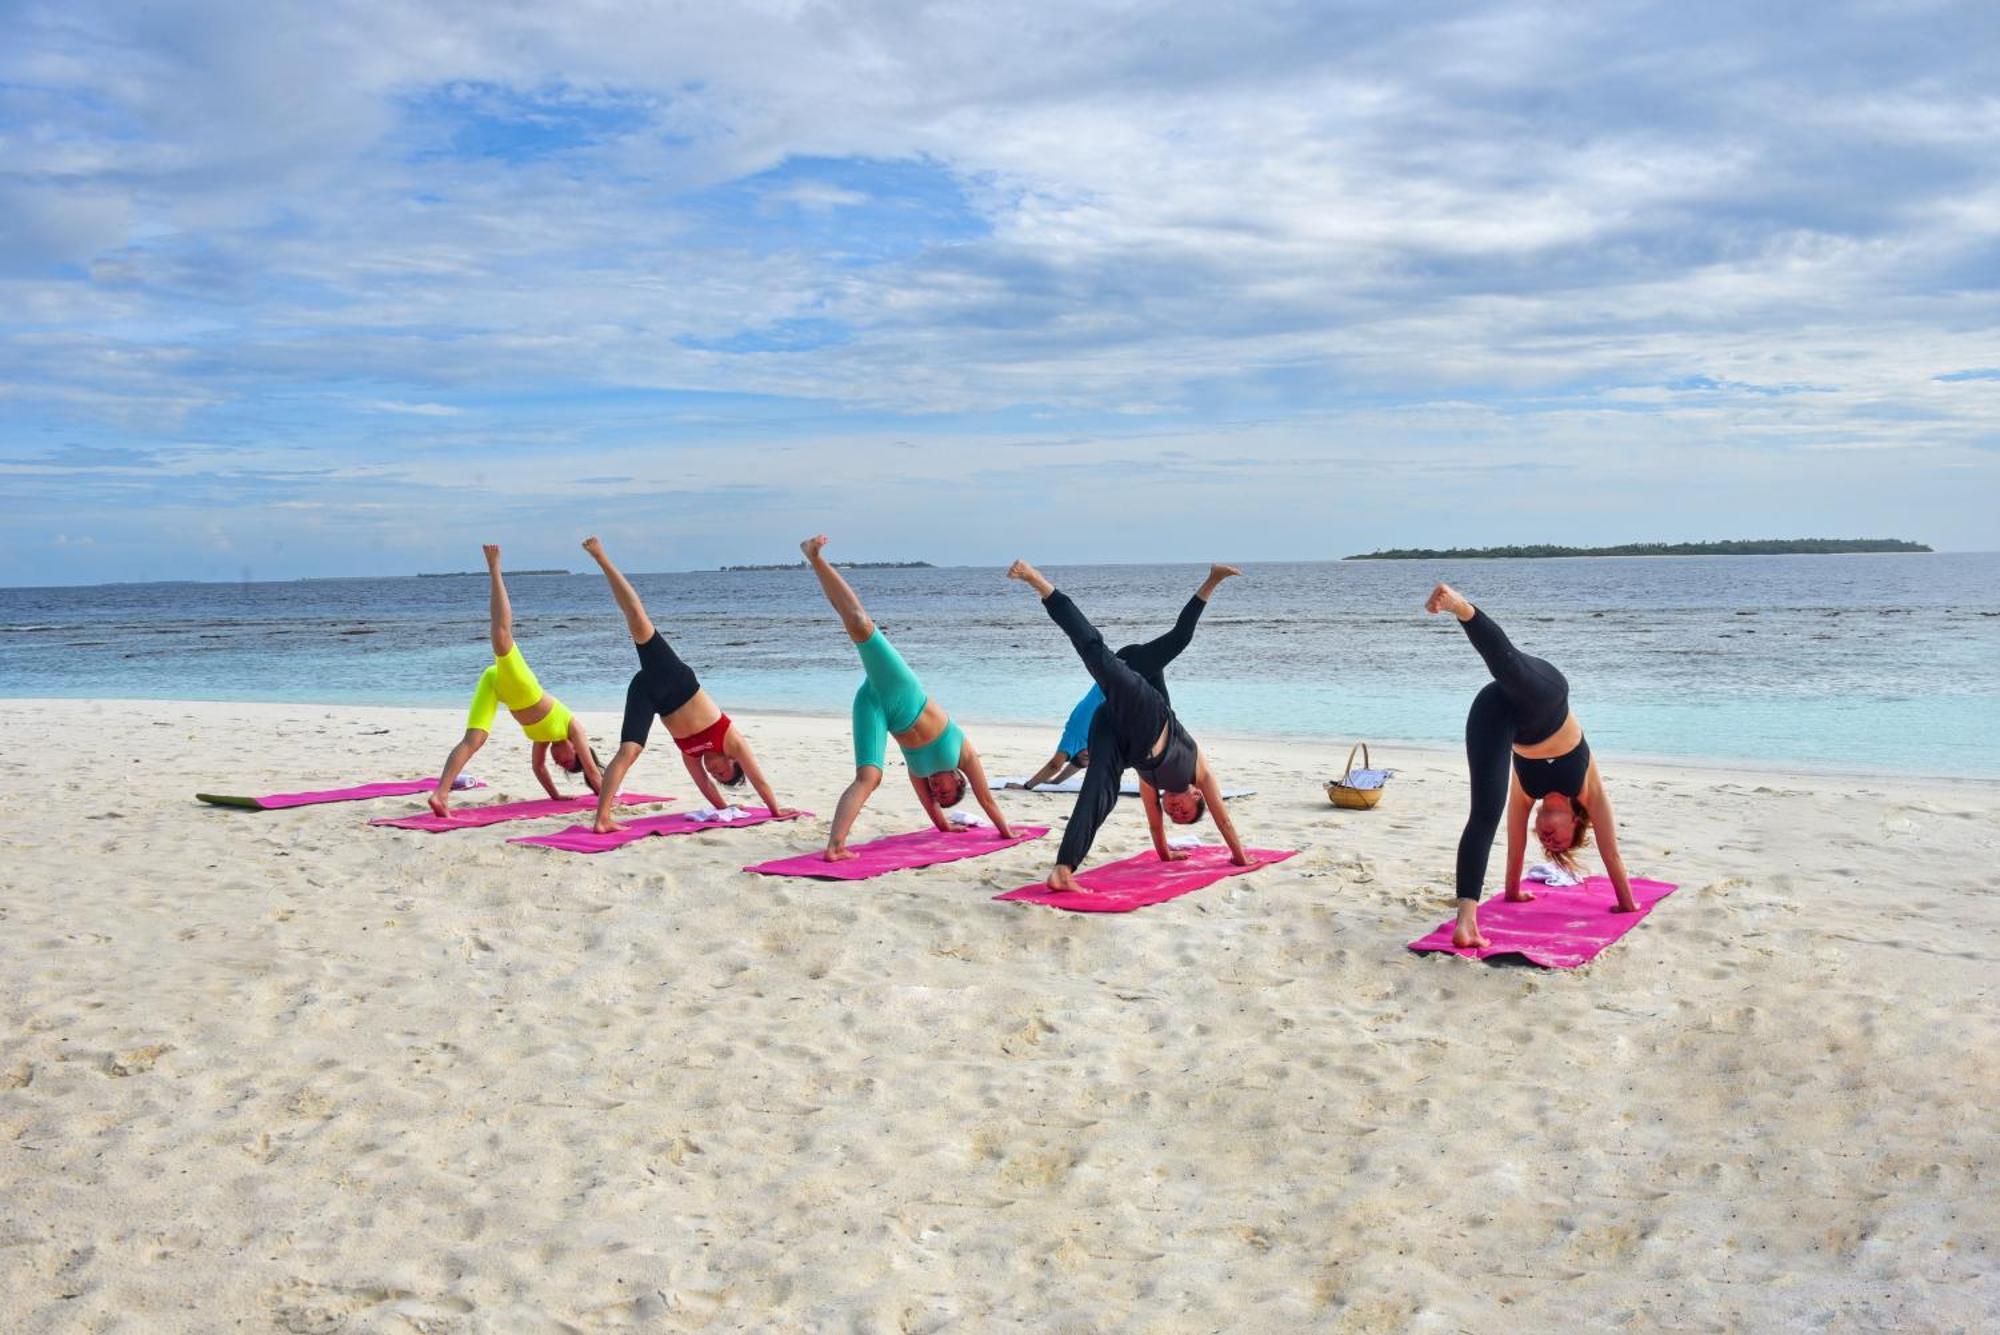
(511, 682)
(891, 703)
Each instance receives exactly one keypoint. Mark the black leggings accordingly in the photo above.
(661, 685)
(1123, 730)
(1150, 659)
(1527, 702)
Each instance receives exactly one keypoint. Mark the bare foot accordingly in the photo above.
(1444, 598)
(1031, 577)
(1063, 881)
(1217, 573)
(1466, 935)
(840, 855)
(811, 547)
(492, 550)
(606, 826)
(439, 807)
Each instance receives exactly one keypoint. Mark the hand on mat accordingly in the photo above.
(1520, 894)
(1174, 855)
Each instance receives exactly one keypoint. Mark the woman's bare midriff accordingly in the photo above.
(535, 712)
(697, 715)
(1559, 743)
(930, 726)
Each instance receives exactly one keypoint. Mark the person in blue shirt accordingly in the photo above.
(1150, 661)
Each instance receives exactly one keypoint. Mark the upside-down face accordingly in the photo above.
(948, 789)
(1184, 807)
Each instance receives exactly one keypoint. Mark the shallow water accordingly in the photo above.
(1850, 661)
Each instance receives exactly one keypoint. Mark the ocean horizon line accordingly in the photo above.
(873, 565)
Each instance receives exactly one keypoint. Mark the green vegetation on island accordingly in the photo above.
(480, 574)
(843, 565)
(1736, 547)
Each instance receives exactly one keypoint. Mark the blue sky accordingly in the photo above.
(349, 288)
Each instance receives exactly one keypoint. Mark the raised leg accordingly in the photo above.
(838, 593)
(500, 614)
(622, 592)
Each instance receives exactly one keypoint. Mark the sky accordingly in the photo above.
(293, 289)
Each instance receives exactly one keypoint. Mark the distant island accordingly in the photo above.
(1739, 547)
(469, 574)
(845, 565)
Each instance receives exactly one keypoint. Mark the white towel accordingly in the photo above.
(1182, 842)
(965, 820)
(1548, 873)
(722, 814)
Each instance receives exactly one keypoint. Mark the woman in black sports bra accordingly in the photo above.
(1522, 720)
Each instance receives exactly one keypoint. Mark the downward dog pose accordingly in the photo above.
(1135, 727)
(712, 747)
(1523, 713)
(511, 682)
(1149, 660)
(891, 702)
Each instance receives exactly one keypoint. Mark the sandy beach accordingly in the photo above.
(284, 1071)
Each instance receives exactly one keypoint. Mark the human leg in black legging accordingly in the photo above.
(1135, 709)
(1489, 752)
(1098, 794)
(1150, 659)
(1536, 691)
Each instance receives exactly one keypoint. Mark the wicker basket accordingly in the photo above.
(1341, 794)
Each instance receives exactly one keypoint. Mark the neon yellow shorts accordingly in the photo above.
(511, 682)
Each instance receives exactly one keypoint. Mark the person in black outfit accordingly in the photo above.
(1135, 727)
(1523, 745)
(1150, 661)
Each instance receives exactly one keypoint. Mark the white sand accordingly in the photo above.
(280, 1070)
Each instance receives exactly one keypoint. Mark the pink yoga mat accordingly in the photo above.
(1142, 879)
(1560, 928)
(582, 839)
(472, 818)
(900, 852)
(275, 801)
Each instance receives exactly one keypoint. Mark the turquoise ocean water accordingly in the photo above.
(1852, 662)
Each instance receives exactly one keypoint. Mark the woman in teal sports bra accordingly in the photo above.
(891, 702)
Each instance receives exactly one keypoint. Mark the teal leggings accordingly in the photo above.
(892, 700)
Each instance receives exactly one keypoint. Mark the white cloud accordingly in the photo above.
(248, 223)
